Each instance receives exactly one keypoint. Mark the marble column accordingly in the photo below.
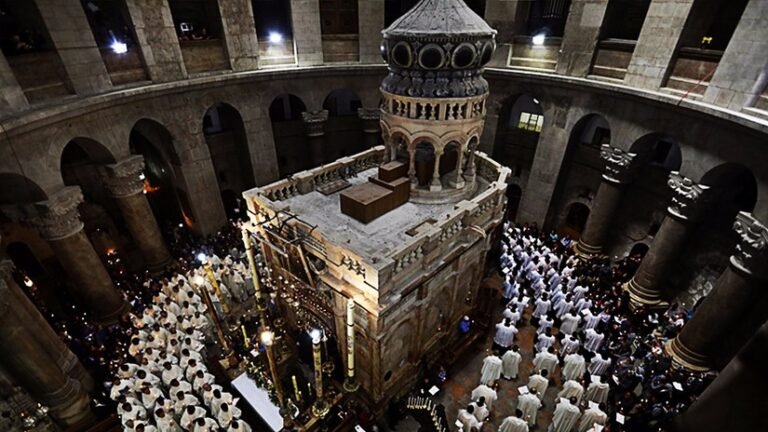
(32, 367)
(371, 126)
(645, 288)
(58, 222)
(739, 288)
(732, 392)
(436, 185)
(315, 122)
(125, 186)
(618, 165)
(45, 336)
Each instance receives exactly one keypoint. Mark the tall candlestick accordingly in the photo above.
(320, 407)
(245, 336)
(350, 384)
(295, 389)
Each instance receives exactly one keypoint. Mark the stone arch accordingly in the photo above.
(155, 143)
(581, 169)
(344, 128)
(658, 149)
(18, 189)
(289, 134)
(225, 134)
(639, 249)
(521, 118)
(424, 155)
(576, 217)
(342, 102)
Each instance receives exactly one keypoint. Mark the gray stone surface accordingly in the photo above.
(12, 97)
(370, 18)
(741, 76)
(582, 30)
(71, 34)
(239, 34)
(305, 18)
(439, 17)
(657, 43)
(157, 38)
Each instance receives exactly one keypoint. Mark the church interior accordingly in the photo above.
(383, 215)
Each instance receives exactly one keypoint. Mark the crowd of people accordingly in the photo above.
(606, 359)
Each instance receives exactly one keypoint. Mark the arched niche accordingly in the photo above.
(344, 129)
(289, 134)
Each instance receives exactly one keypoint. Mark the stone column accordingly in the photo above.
(740, 76)
(503, 16)
(12, 98)
(32, 367)
(729, 402)
(436, 184)
(71, 34)
(307, 35)
(657, 43)
(156, 36)
(59, 223)
(370, 22)
(469, 174)
(371, 126)
(47, 339)
(123, 183)
(239, 34)
(412, 167)
(458, 181)
(315, 122)
(582, 30)
(618, 164)
(739, 288)
(645, 287)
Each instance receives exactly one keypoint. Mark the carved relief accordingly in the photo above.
(59, 217)
(686, 195)
(315, 122)
(618, 163)
(751, 254)
(123, 178)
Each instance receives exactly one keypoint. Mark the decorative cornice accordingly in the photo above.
(751, 256)
(59, 217)
(686, 196)
(122, 178)
(618, 163)
(315, 122)
(369, 113)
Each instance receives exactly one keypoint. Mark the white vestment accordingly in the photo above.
(590, 417)
(545, 361)
(597, 392)
(505, 335)
(488, 393)
(481, 412)
(539, 383)
(513, 424)
(529, 404)
(599, 365)
(491, 370)
(511, 364)
(594, 340)
(468, 420)
(573, 368)
(571, 389)
(544, 342)
(569, 345)
(570, 323)
(565, 417)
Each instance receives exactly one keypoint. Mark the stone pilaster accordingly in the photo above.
(657, 43)
(157, 39)
(32, 367)
(58, 222)
(582, 30)
(646, 286)
(125, 185)
(618, 170)
(12, 98)
(315, 122)
(307, 35)
(737, 291)
(370, 19)
(370, 118)
(740, 76)
(239, 34)
(71, 34)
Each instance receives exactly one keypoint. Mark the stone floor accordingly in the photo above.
(465, 376)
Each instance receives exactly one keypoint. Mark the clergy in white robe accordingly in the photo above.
(480, 411)
(238, 426)
(573, 367)
(165, 422)
(468, 419)
(205, 424)
(565, 417)
(545, 360)
(510, 312)
(590, 319)
(514, 423)
(569, 345)
(569, 324)
(486, 392)
(131, 412)
(572, 389)
(505, 334)
(529, 404)
(491, 370)
(544, 341)
(545, 322)
(597, 391)
(542, 306)
(539, 382)
(594, 340)
(511, 363)
(171, 372)
(599, 365)
(591, 417)
(228, 413)
(190, 415)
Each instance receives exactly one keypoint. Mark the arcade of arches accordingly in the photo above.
(119, 168)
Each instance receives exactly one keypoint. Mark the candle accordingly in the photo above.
(295, 389)
(245, 336)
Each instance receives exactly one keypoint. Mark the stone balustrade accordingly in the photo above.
(434, 109)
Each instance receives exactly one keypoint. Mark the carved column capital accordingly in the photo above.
(315, 122)
(618, 163)
(751, 256)
(687, 196)
(122, 178)
(370, 118)
(59, 217)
